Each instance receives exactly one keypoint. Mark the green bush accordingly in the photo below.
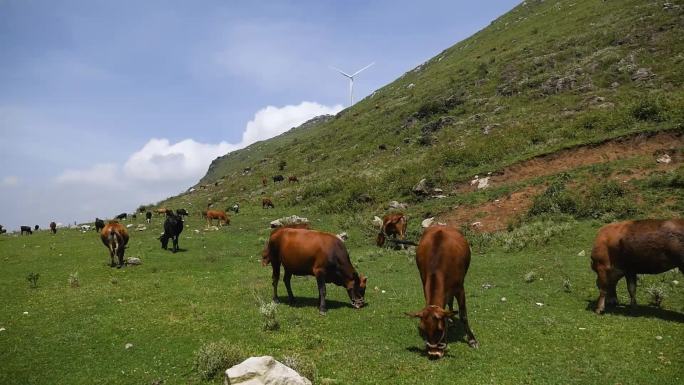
(609, 200)
(555, 200)
(215, 357)
(648, 109)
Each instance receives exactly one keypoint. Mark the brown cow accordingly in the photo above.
(292, 179)
(266, 203)
(115, 237)
(310, 252)
(53, 227)
(634, 247)
(443, 257)
(219, 215)
(392, 225)
(162, 211)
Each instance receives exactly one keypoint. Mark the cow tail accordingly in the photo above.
(113, 240)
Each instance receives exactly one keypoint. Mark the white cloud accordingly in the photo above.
(10, 181)
(182, 161)
(271, 121)
(161, 168)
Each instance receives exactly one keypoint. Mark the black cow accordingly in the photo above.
(2, 230)
(182, 212)
(26, 229)
(99, 224)
(148, 216)
(278, 178)
(36, 228)
(173, 226)
(122, 216)
(134, 216)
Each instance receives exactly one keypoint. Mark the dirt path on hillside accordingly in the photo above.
(495, 215)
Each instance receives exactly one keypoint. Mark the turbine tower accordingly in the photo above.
(351, 80)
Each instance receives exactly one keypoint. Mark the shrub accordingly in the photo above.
(530, 277)
(672, 179)
(555, 199)
(33, 279)
(608, 199)
(652, 110)
(215, 357)
(301, 365)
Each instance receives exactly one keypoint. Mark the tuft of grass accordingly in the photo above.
(269, 312)
(33, 279)
(73, 280)
(656, 294)
(301, 365)
(567, 285)
(214, 358)
(114, 281)
(530, 276)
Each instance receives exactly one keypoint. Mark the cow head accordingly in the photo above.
(357, 290)
(433, 329)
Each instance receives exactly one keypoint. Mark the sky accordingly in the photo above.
(107, 105)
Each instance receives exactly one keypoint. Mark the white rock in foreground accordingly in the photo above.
(261, 371)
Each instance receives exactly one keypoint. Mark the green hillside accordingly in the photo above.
(547, 75)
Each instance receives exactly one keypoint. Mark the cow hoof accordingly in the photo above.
(322, 312)
(473, 344)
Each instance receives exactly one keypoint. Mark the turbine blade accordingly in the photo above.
(342, 72)
(362, 69)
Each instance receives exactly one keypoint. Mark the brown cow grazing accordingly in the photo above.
(53, 227)
(266, 203)
(392, 225)
(634, 247)
(219, 215)
(292, 179)
(443, 257)
(309, 252)
(115, 237)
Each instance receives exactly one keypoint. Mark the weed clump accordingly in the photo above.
(301, 365)
(650, 110)
(33, 279)
(215, 357)
(530, 277)
(73, 280)
(269, 311)
(567, 285)
(657, 294)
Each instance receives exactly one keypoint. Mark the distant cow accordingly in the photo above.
(122, 216)
(182, 212)
(99, 224)
(36, 228)
(53, 227)
(148, 216)
(278, 178)
(266, 203)
(219, 215)
(26, 229)
(234, 208)
(173, 226)
(393, 225)
(309, 252)
(115, 237)
(443, 257)
(634, 247)
(161, 210)
(292, 179)
(2, 230)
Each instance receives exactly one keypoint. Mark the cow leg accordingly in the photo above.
(286, 279)
(111, 257)
(275, 277)
(602, 284)
(120, 253)
(320, 280)
(613, 277)
(463, 315)
(175, 243)
(631, 287)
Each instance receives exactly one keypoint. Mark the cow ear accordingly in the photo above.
(418, 314)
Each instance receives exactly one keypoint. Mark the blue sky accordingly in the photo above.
(105, 105)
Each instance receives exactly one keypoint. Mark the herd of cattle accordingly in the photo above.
(622, 249)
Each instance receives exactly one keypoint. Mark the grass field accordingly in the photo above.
(172, 304)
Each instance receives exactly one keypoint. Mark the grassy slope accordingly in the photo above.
(172, 304)
(500, 78)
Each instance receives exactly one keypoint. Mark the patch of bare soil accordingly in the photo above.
(495, 215)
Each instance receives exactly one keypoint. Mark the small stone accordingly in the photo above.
(665, 159)
(503, 299)
(539, 304)
(582, 328)
(128, 346)
(119, 300)
(25, 313)
(582, 253)
(383, 292)
(659, 338)
(2, 329)
(675, 282)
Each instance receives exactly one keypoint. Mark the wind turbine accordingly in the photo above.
(351, 81)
